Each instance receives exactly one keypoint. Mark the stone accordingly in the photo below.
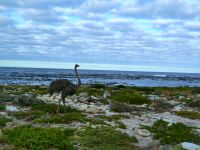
(190, 146)
(198, 95)
(154, 97)
(92, 110)
(106, 94)
(164, 98)
(153, 145)
(172, 102)
(12, 108)
(178, 108)
(94, 98)
(3, 113)
(181, 97)
(83, 94)
(144, 132)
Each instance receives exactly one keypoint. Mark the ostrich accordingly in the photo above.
(64, 86)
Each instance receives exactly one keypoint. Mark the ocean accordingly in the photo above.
(35, 76)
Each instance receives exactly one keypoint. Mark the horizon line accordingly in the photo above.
(91, 66)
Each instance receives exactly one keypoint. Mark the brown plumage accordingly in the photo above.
(64, 86)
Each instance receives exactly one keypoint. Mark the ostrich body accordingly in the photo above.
(64, 86)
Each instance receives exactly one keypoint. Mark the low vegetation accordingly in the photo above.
(189, 114)
(52, 108)
(2, 107)
(172, 134)
(3, 121)
(29, 114)
(105, 138)
(129, 96)
(32, 138)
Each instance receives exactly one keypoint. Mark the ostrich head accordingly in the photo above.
(76, 66)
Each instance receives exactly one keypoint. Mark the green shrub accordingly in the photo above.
(2, 107)
(3, 121)
(105, 138)
(22, 115)
(66, 118)
(189, 114)
(130, 98)
(98, 86)
(52, 108)
(174, 134)
(27, 137)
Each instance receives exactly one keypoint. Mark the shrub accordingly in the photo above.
(27, 137)
(105, 138)
(174, 134)
(3, 121)
(188, 114)
(98, 86)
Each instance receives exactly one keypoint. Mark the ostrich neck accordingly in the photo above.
(77, 75)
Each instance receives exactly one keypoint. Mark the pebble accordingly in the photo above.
(144, 132)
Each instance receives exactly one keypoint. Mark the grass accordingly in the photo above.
(120, 124)
(52, 108)
(92, 91)
(69, 118)
(32, 138)
(189, 114)
(23, 115)
(66, 118)
(130, 97)
(4, 120)
(174, 134)
(105, 138)
(2, 107)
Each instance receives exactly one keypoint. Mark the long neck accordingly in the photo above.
(79, 81)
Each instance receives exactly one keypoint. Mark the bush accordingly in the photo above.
(27, 137)
(174, 134)
(98, 86)
(3, 121)
(105, 138)
(188, 114)
(130, 98)
(2, 107)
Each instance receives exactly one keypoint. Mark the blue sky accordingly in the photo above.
(140, 35)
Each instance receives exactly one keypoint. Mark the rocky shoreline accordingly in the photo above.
(132, 111)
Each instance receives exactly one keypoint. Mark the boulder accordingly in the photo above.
(190, 146)
(154, 97)
(92, 110)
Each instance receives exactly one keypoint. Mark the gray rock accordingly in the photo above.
(83, 94)
(154, 97)
(190, 146)
(3, 113)
(92, 110)
(181, 97)
(198, 95)
(144, 132)
(172, 102)
(153, 145)
(106, 94)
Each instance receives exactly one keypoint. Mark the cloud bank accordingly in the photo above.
(151, 33)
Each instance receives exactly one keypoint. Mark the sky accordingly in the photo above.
(137, 35)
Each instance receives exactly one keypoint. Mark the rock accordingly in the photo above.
(27, 99)
(92, 110)
(178, 108)
(198, 95)
(164, 98)
(153, 145)
(3, 113)
(12, 108)
(153, 97)
(190, 146)
(172, 102)
(144, 132)
(94, 98)
(181, 97)
(106, 94)
(83, 94)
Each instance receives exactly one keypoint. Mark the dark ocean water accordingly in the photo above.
(45, 76)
